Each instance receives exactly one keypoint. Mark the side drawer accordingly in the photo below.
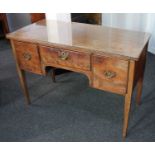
(55, 56)
(110, 74)
(28, 57)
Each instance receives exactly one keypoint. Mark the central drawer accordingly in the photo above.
(67, 58)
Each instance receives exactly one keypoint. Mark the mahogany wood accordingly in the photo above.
(112, 59)
(103, 67)
(102, 40)
(51, 56)
(28, 57)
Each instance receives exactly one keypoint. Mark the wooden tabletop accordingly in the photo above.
(92, 38)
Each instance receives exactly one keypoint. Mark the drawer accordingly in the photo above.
(28, 57)
(110, 74)
(55, 56)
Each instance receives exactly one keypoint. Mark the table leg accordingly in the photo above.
(21, 75)
(128, 97)
(139, 90)
(140, 80)
(126, 114)
(53, 75)
(22, 78)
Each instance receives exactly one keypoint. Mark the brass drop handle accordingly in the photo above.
(63, 55)
(27, 56)
(109, 74)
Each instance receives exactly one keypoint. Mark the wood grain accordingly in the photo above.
(74, 59)
(98, 39)
(112, 59)
(116, 84)
(128, 96)
(22, 49)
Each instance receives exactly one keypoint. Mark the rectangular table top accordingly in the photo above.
(97, 39)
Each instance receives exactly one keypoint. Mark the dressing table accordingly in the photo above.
(112, 59)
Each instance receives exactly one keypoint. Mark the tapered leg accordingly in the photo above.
(139, 90)
(141, 69)
(128, 97)
(23, 83)
(21, 75)
(53, 75)
(127, 106)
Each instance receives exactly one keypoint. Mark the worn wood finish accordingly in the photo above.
(66, 58)
(21, 74)
(110, 74)
(102, 40)
(28, 57)
(112, 59)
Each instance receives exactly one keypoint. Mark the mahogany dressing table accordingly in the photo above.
(112, 59)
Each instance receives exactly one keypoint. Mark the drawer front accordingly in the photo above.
(72, 59)
(110, 74)
(28, 57)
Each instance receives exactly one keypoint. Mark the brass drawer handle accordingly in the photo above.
(109, 74)
(63, 55)
(27, 56)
